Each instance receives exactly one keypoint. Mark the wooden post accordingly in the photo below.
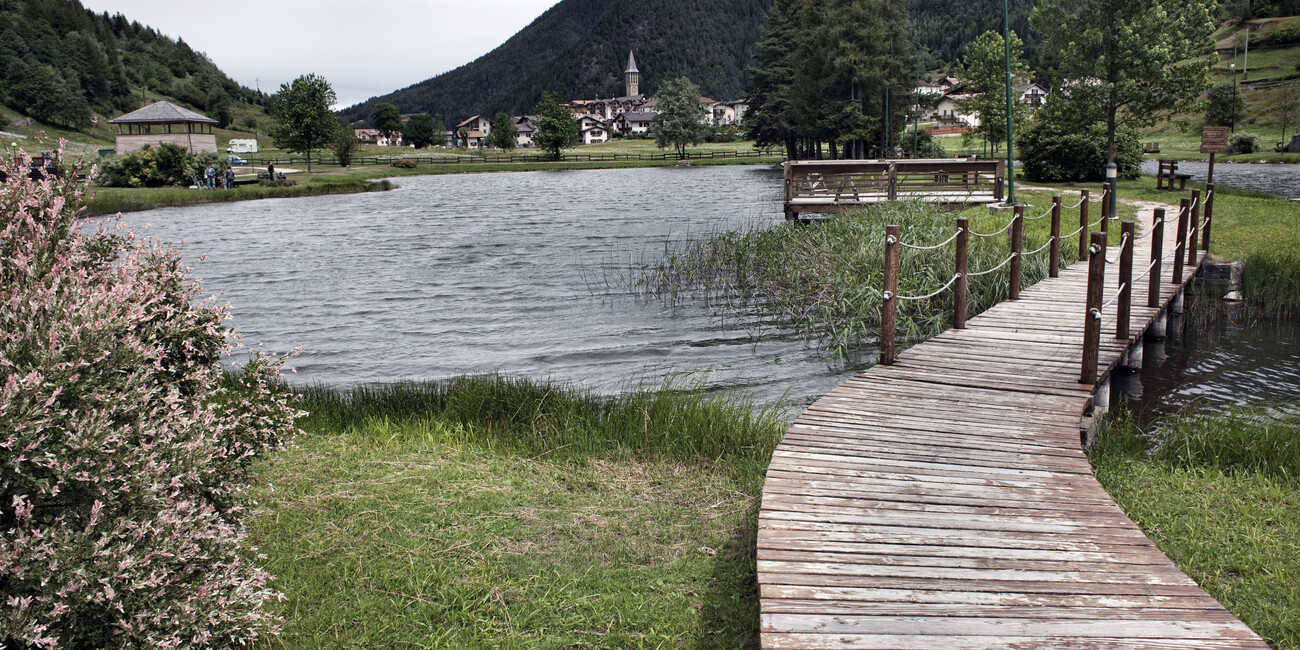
(1209, 216)
(1124, 302)
(1017, 246)
(1194, 227)
(1083, 225)
(1157, 251)
(1092, 322)
(893, 181)
(1105, 210)
(963, 261)
(889, 298)
(1054, 257)
(1179, 256)
(1000, 178)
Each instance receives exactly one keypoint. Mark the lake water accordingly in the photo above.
(1280, 180)
(513, 273)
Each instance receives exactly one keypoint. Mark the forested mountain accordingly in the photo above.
(579, 48)
(941, 28)
(60, 61)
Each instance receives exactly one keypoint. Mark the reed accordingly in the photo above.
(823, 280)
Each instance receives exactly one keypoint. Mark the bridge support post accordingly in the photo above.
(1105, 209)
(1083, 224)
(1157, 252)
(1179, 249)
(961, 289)
(1124, 301)
(1209, 215)
(1133, 359)
(1054, 254)
(1092, 317)
(1017, 246)
(1158, 329)
(889, 297)
(1101, 400)
(1194, 228)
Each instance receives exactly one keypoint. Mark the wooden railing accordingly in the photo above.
(1192, 234)
(820, 186)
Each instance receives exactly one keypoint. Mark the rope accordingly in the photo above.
(945, 287)
(1041, 248)
(1195, 201)
(1119, 251)
(1113, 298)
(1004, 263)
(930, 248)
(1049, 211)
(1073, 233)
(1149, 232)
(1147, 272)
(1104, 191)
(1099, 220)
(994, 234)
(1076, 204)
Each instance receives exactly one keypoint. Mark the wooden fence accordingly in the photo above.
(819, 186)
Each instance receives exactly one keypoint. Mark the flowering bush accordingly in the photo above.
(123, 452)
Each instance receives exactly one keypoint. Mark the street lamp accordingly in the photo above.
(1112, 180)
(1011, 163)
(1234, 97)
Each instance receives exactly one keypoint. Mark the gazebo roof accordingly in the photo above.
(163, 113)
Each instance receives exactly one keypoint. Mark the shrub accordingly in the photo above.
(404, 163)
(1055, 146)
(1243, 143)
(277, 182)
(168, 164)
(926, 146)
(122, 456)
(1225, 105)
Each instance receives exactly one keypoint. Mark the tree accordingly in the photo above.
(1287, 105)
(1055, 146)
(679, 122)
(1224, 105)
(983, 70)
(386, 119)
(1126, 61)
(344, 143)
(504, 132)
(420, 131)
(556, 129)
(304, 121)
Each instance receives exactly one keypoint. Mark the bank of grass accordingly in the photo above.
(1219, 493)
(492, 512)
(824, 279)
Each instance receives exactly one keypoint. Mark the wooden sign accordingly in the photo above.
(1214, 139)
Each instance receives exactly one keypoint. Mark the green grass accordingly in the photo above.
(494, 513)
(110, 200)
(824, 280)
(1219, 494)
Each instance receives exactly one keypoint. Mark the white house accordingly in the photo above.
(635, 122)
(950, 115)
(373, 136)
(732, 112)
(1033, 94)
(594, 134)
(525, 125)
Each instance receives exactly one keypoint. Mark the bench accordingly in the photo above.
(1151, 147)
(1167, 173)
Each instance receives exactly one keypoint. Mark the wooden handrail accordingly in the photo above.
(1157, 252)
(1092, 311)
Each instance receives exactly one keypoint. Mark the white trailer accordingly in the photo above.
(242, 146)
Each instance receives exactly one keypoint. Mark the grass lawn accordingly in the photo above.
(1220, 495)
(490, 513)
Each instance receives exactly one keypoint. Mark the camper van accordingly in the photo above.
(242, 146)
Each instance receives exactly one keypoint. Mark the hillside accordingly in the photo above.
(60, 63)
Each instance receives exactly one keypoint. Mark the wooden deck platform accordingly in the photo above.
(946, 502)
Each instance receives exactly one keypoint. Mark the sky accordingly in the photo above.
(363, 49)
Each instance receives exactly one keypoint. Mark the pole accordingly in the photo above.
(1092, 322)
(1209, 177)
(1017, 245)
(889, 298)
(963, 261)
(1006, 42)
(1054, 257)
(1124, 302)
(1180, 252)
(1157, 251)
(1234, 91)
(1083, 224)
(1112, 179)
(1209, 215)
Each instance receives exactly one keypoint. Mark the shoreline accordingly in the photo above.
(103, 201)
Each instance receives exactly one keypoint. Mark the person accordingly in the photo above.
(230, 177)
(211, 174)
(270, 171)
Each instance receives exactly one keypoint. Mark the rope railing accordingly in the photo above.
(955, 278)
(1119, 251)
(1042, 248)
(929, 248)
(1113, 298)
(1048, 212)
(1149, 232)
(986, 272)
(995, 234)
(1082, 198)
(1147, 272)
(1098, 221)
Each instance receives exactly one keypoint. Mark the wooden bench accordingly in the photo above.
(1152, 147)
(1167, 173)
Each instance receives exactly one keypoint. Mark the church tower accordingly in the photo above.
(632, 77)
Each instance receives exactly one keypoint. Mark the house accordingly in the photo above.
(375, 137)
(611, 109)
(590, 121)
(594, 134)
(635, 122)
(950, 115)
(476, 123)
(165, 122)
(725, 113)
(525, 125)
(1033, 94)
(925, 88)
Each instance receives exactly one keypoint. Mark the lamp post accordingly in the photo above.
(1234, 97)
(1011, 164)
(1112, 180)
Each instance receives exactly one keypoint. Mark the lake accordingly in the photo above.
(517, 273)
(1275, 179)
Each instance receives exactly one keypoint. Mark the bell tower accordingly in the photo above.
(632, 77)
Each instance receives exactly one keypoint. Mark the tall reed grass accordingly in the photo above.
(824, 279)
(530, 418)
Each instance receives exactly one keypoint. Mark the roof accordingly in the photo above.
(468, 120)
(631, 63)
(474, 134)
(639, 116)
(162, 113)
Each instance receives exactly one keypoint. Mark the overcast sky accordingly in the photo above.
(363, 48)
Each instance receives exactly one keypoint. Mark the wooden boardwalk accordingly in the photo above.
(946, 502)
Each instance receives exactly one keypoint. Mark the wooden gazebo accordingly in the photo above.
(165, 122)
